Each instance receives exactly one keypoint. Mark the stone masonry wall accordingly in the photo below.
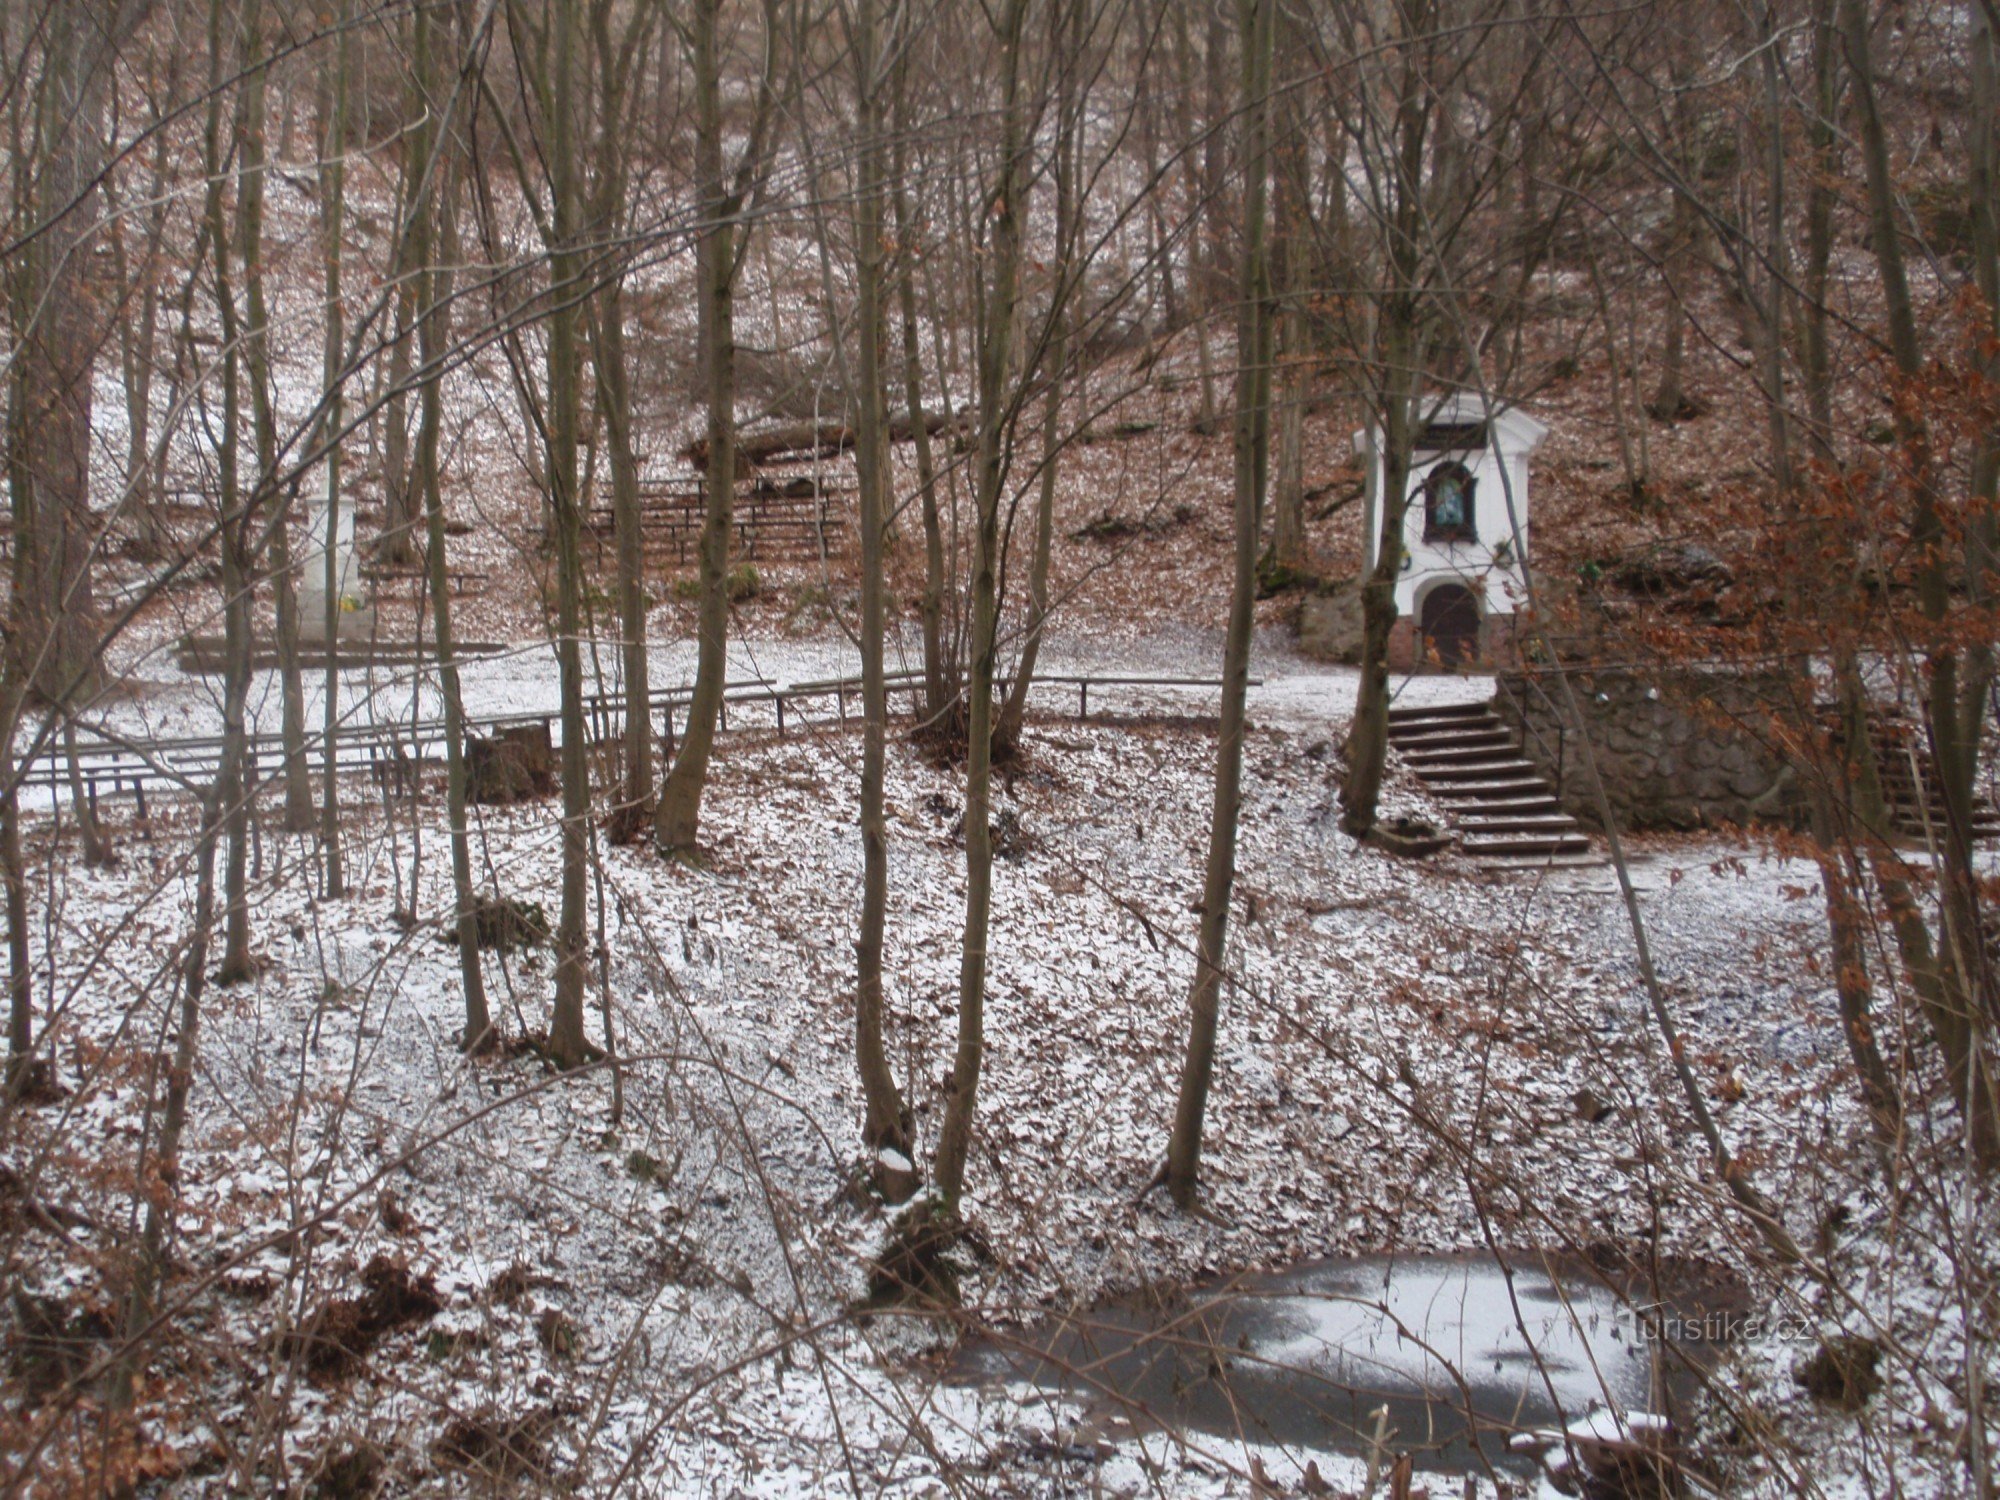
(1677, 748)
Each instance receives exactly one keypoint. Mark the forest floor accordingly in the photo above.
(654, 1271)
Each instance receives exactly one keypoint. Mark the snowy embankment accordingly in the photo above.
(668, 1298)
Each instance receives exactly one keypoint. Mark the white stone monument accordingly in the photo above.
(355, 619)
(1463, 576)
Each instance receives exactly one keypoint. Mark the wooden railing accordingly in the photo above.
(107, 764)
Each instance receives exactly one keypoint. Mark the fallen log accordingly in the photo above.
(806, 440)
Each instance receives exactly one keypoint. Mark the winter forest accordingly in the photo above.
(1000, 747)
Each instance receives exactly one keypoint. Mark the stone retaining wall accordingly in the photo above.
(1677, 748)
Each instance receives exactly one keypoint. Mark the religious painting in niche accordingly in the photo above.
(1448, 504)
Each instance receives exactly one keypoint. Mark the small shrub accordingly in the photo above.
(1843, 1372)
(504, 924)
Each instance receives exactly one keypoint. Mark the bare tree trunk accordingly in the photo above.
(1368, 737)
(333, 215)
(479, 1034)
(1822, 192)
(1252, 443)
(58, 329)
(1982, 527)
(1200, 271)
(97, 851)
(677, 827)
(434, 294)
(567, 1047)
(400, 498)
(614, 389)
(1847, 923)
(300, 815)
(1007, 736)
(678, 823)
(138, 348)
(940, 668)
(1159, 257)
(236, 517)
(1678, 260)
(13, 875)
(1395, 379)
(1288, 501)
(1000, 291)
(160, 1176)
(1964, 972)
(888, 1127)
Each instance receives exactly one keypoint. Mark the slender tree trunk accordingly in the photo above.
(401, 497)
(1982, 523)
(1007, 736)
(300, 815)
(1964, 972)
(940, 668)
(1822, 194)
(237, 516)
(1847, 925)
(58, 330)
(97, 851)
(138, 347)
(614, 390)
(1368, 738)
(1288, 501)
(1677, 260)
(1396, 380)
(434, 295)
(13, 875)
(887, 1127)
(1200, 271)
(1159, 256)
(333, 215)
(479, 1033)
(162, 1180)
(567, 1047)
(1000, 291)
(678, 824)
(1252, 443)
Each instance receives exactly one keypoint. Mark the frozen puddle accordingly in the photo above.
(1305, 1358)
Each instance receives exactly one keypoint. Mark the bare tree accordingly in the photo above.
(718, 254)
(567, 1047)
(888, 1127)
(616, 59)
(1004, 199)
(1252, 437)
(299, 812)
(58, 329)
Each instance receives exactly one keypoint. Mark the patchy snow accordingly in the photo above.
(672, 1297)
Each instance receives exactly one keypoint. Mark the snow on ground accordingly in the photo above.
(667, 1301)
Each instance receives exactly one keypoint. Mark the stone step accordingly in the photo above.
(1487, 769)
(1447, 761)
(1518, 844)
(1537, 822)
(1519, 793)
(1591, 861)
(1472, 733)
(1420, 712)
(1509, 817)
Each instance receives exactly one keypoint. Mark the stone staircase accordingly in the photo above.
(1508, 815)
(1911, 788)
